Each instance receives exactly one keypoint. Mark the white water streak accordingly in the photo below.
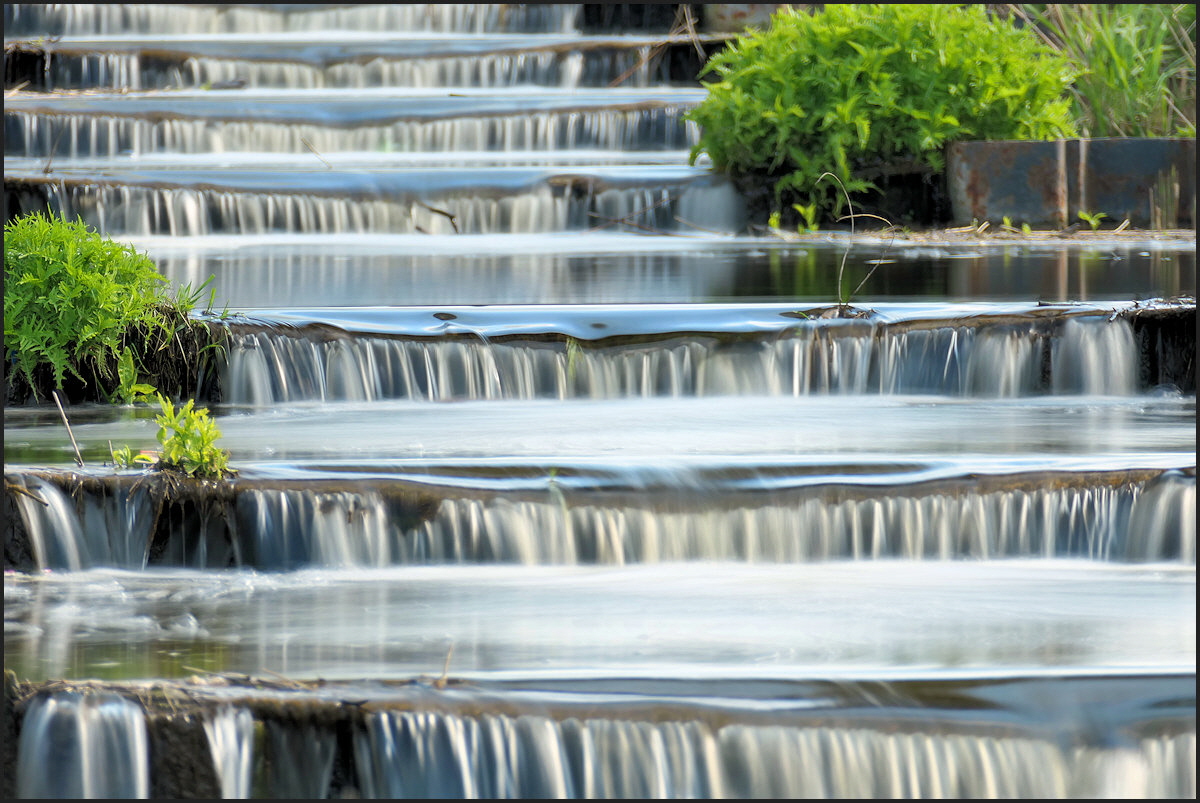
(82, 746)
(231, 739)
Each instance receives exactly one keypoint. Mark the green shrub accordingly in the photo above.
(859, 87)
(187, 444)
(83, 310)
(188, 439)
(1137, 64)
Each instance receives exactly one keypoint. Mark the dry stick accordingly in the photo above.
(309, 145)
(687, 25)
(63, 413)
(846, 253)
(53, 148)
(891, 230)
(441, 682)
(689, 223)
(628, 219)
(453, 220)
(12, 487)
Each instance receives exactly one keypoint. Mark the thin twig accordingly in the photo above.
(628, 219)
(441, 682)
(63, 413)
(12, 487)
(309, 145)
(878, 262)
(846, 253)
(453, 220)
(690, 224)
(53, 148)
(684, 23)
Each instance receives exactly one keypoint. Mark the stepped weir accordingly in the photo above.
(557, 477)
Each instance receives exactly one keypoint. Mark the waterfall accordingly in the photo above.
(273, 367)
(556, 67)
(83, 19)
(429, 754)
(52, 522)
(1162, 525)
(1095, 358)
(105, 530)
(1099, 523)
(299, 760)
(181, 212)
(289, 528)
(101, 135)
(83, 745)
(231, 739)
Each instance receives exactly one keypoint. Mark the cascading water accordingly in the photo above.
(281, 366)
(75, 136)
(278, 530)
(81, 19)
(429, 755)
(556, 477)
(231, 739)
(82, 746)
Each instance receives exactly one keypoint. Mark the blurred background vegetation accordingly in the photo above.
(1137, 64)
(871, 94)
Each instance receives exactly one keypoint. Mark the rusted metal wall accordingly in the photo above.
(1150, 182)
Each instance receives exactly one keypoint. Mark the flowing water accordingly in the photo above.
(553, 479)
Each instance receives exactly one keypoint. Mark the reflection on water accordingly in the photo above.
(613, 268)
(717, 619)
(665, 431)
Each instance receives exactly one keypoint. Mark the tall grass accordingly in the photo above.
(1138, 64)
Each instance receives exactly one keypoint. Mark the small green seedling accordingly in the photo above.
(188, 440)
(124, 457)
(810, 213)
(187, 444)
(1091, 219)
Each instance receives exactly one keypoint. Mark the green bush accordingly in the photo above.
(855, 88)
(83, 310)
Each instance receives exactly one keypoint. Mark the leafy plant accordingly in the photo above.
(129, 390)
(808, 214)
(85, 310)
(1092, 219)
(855, 88)
(1137, 64)
(187, 439)
(123, 457)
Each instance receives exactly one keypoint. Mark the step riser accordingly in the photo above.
(1083, 355)
(1136, 517)
(305, 748)
(563, 205)
(83, 19)
(565, 68)
(73, 136)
